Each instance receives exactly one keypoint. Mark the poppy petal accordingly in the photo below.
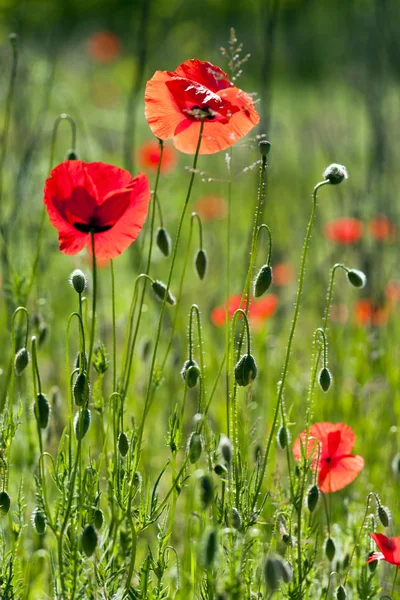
(204, 73)
(336, 475)
(342, 446)
(375, 556)
(389, 547)
(161, 111)
(107, 179)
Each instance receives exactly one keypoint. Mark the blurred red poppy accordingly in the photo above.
(392, 291)
(84, 197)
(389, 549)
(345, 230)
(283, 273)
(176, 103)
(149, 156)
(104, 47)
(259, 310)
(211, 207)
(336, 466)
(367, 312)
(382, 228)
(339, 313)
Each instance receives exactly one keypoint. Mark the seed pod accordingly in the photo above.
(201, 263)
(89, 540)
(206, 491)
(312, 497)
(262, 281)
(335, 173)
(71, 155)
(80, 390)
(98, 518)
(21, 360)
(41, 408)
(264, 147)
(123, 444)
(159, 288)
(236, 519)
(195, 447)
(5, 503)
(384, 515)
(357, 278)
(341, 593)
(208, 548)
(82, 424)
(39, 521)
(78, 281)
(191, 372)
(220, 470)
(245, 370)
(226, 449)
(325, 379)
(283, 437)
(330, 549)
(163, 241)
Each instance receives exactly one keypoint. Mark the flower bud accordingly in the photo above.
(39, 521)
(190, 372)
(312, 497)
(335, 173)
(325, 379)
(220, 470)
(163, 241)
(5, 503)
(89, 540)
(245, 370)
(123, 444)
(330, 549)
(208, 548)
(384, 515)
(283, 437)
(145, 348)
(78, 281)
(276, 569)
(195, 447)
(262, 281)
(21, 360)
(160, 289)
(341, 593)
(71, 155)
(41, 409)
(236, 519)
(200, 263)
(98, 518)
(206, 491)
(100, 359)
(357, 278)
(82, 424)
(80, 361)
(264, 147)
(81, 390)
(226, 449)
(396, 465)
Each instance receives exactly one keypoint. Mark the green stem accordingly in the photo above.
(113, 326)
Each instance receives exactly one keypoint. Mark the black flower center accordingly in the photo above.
(91, 227)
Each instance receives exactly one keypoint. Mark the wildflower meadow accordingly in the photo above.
(199, 317)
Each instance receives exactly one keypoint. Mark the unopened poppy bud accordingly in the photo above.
(262, 281)
(21, 360)
(78, 281)
(330, 549)
(43, 334)
(396, 465)
(384, 515)
(39, 521)
(89, 540)
(200, 263)
(341, 593)
(98, 518)
(276, 569)
(190, 372)
(81, 390)
(264, 147)
(195, 447)
(220, 470)
(101, 361)
(373, 564)
(5, 503)
(13, 37)
(82, 424)
(357, 278)
(41, 409)
(283, 437)
(236, 519)
(325, 379)
(208, 548)
(163, 241)
(312, 497)
(206, 491)
(245, 370)
(123, 444)
(335, 173)
(71, 155)
(226, 449)
(160, 290)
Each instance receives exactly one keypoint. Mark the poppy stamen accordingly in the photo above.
(201, 112)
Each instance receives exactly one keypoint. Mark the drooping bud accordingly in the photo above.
(264, 147)
(163, 241)
(81, 390)
(39, 521)
(200, 263)
(208, 548)
(226, 449)
(101, 361)
(335, 173)
(384, 515)
(341, 593)
(275, 570)
(195, 447)
(123, 444)
(72, 155)
(220, 470)
(206, 491)
(78, 281)
(357, 278)
(160, 290)
(21, 360)
(236, 519)
(190, 372)
(262, 281)
(98, 518)
(283, 437)
(325, 379)
(330, 549)
(41, 409)
(82, 424)
(89, 540)
(245, 370)
(312, 497)
(5, 503)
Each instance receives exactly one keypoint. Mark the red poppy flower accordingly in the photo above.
(283, 273)
(345, 230)
(259, 310)
(83, 197)
(336, 466)
(389, 549)
(176, 103)
(211, 207)
(382, 228)
(392, 291)
(104, 47)
(149, 157)
(367, 312)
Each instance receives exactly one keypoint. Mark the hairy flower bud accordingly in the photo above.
(101, 361)
(276, 569)
(123, 444)
(195, 447)
(41, 408)
(220, 470)
(201, 263)
(5, 503)
(357, 278)
(39, 521)
(325, 379)
(330, 549)
(384, 515)
(283, 437)
(98, 518)
(262, 280)
(341, 593)
(160, 290)
(82, 424)
(81, 390)
(264, 147)
(206, 491)
(21, 360)
(312, 497)
(190, 372)
(335, 173)
(89, 540)
(226, 449)
(163, 241)
(208, 548)
(72, 155)
(78, 281)
(245, 370)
